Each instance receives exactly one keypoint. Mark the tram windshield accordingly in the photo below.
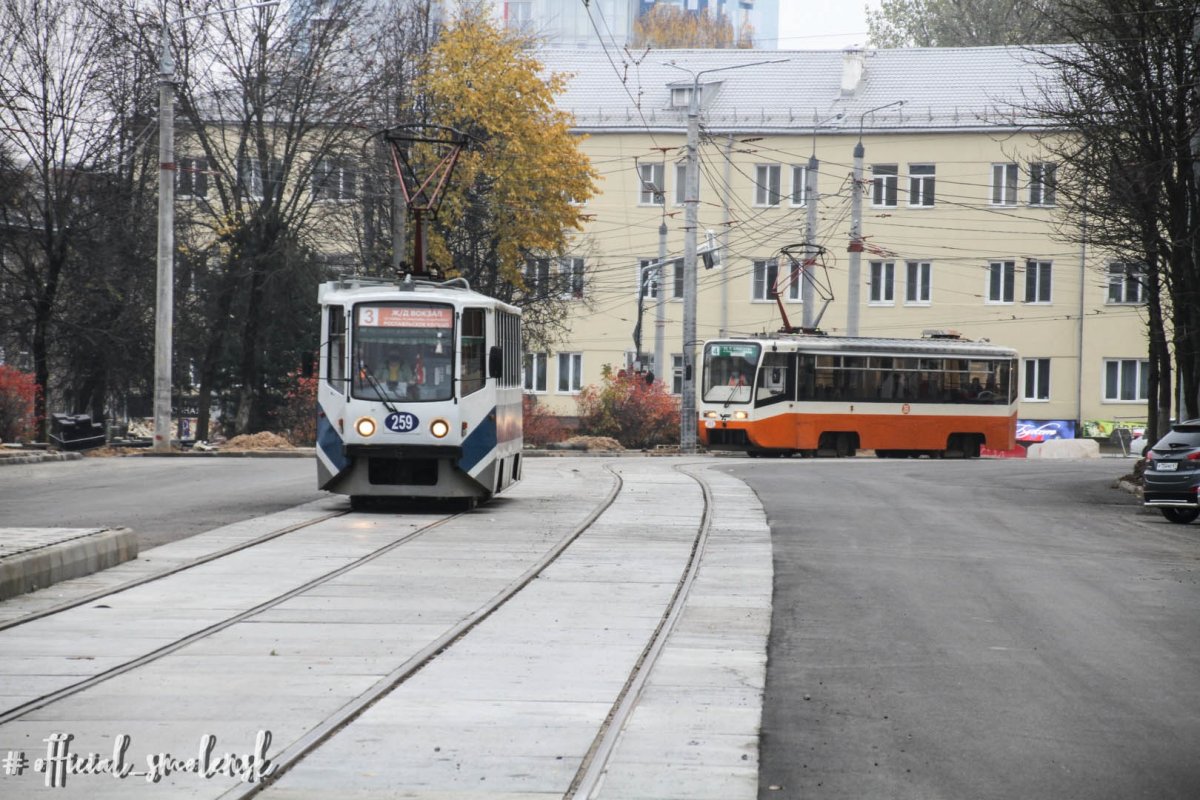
(403, 351)
(729, 369)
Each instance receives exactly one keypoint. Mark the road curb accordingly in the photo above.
(38, 458)
(36, 562)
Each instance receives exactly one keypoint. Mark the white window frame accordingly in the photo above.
(677, 373)
(761, 279)
(680, 182)
(1125, 278)
(651, 188)
(885, 185)
(647, 282)
(918, 283)
(333, 181)
(191, 178)
(768, 186)
(676, 279)
(571, 273)
(537, 277)
(570, 373)
(882, 290)
(799, 196)
(530, 373)
(1007, 271)
(922, 183)
(1034, 270)
(1005, 178)
(1035, 380)
(1043, 177)
(1140, 366)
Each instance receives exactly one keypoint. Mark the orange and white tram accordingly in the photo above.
(827, 395)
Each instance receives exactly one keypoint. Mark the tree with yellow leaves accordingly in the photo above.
(667, 26)
(516, 192)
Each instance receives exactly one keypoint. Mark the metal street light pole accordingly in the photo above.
(691, 202)
(165, 273)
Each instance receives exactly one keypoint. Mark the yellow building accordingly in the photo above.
(959, 221)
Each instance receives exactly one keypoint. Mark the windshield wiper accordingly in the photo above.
(362, 365)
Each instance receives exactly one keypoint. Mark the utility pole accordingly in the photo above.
(807, 295)
(854, 272)
(165, 273)
(660, 308)
(164, 308)
(691, 203)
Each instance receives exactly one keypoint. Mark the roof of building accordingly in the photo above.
(942, 88)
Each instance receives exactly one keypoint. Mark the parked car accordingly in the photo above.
(1171, 480)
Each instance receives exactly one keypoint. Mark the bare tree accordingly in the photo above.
(57, 65)
(963, 23)
(272, 109)
(1125, 104)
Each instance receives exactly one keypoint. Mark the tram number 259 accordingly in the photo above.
(401, 422)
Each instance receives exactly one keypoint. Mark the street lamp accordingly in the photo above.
(165, 296)
(691, 200)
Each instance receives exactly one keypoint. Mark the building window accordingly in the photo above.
(766, 185)
(647, 279)
(1037, 281)
(191, 178)
(766, 271)
(920, 184)
(680, 183)
(571, 275)
(570, 372)
(883, 282)
(1126, 282)
(799, 186)
(883, 185)
(519, 15)
(652, 184)
(917, 287)
(1042, 178)
(1001, 279)
(332, 180)
(537, 277)
(1126, 380)
(535, 371)
(677, 282)
(1037, 379)
(677, 373)
(253, 179)
(1004, 184)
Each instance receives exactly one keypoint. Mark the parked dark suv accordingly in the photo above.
(1172, 475)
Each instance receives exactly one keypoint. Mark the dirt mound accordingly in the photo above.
(604, 444)
(257, 441)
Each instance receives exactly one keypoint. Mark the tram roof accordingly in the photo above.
(965, 348)
(358, 289)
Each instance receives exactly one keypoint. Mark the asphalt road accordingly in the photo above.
(161, 499)
(987, 629)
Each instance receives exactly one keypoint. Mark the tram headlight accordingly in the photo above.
(365, 426)
(710, 415)
(439, 428)
(740, 415)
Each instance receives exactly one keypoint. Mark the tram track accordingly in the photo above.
(588, 779)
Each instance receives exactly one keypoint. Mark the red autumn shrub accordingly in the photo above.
(635, 413)
(541, 427)
(18, 393)
(296, 418)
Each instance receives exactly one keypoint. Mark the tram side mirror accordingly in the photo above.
(495, 362)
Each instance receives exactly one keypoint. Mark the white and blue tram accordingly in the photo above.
(419, 393)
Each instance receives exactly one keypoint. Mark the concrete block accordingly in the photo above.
(1065, 448)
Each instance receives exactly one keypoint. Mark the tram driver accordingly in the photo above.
(397, 374)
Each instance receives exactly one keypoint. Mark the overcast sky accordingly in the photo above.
(822, 24)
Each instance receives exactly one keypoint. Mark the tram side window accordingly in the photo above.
(806, 388)
(335, 355)
(776, 381)
(474, 350)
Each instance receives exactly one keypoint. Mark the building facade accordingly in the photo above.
(959, 219)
